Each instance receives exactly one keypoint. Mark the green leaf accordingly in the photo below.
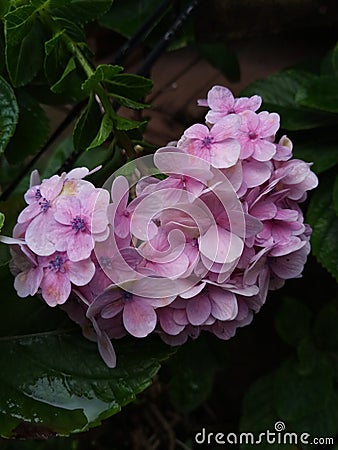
(191, 385)
(132, 104)
(129, 86)
(329, 64)
(103, 72)
(60, 68)
(325, 330)
(324, 155)
(124, 124)
(24, 44)
(62, 83)
(8, 113)
(221, 57)
(79, 11)
(335, 194)
(53, 379)
(293, 321)
(87, 125)
(322, 423)
(279, 93)
(259, 414)
(105, 129)
(2, 220)
(297, 395)
(119, 18)
(320, 93)
(4, 6)
(33, 123)
(324, 221)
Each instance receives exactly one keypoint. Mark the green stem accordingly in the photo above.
(121, 136)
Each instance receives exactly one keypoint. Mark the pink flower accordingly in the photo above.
(217, 146)
(221, 102)
(39, 214)
(118, 212)
(139, 317)
(60, 273)
(78, 224)
(256, 135)
(295, 176)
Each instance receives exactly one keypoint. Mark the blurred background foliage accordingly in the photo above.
(284, 366)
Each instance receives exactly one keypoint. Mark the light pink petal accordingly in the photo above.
(55, 288)
(224, 329)
(29, 212)
(11, 241)
(167, 323)
(120, 190)
(80, 273)
(80, 246)
(172, 160)
(247, 148)
(180, 316)
(37, 234)
(225, 154)
(98, 213)
(255, 173)
(197, 131)
(111, 310)
(269, 124)
(202, 102)
(66, 209)
(138, 318)
(78, 173)
(289, 266)
(252, 103)
(250, 121)
(193, 291)
(264, 150)
(106, 350)
(34, 178)
(171, 269)
(198, 309)
(223, 304)
(264, 210)
(28, 282)
(220, 99)
(226, 127)
(220, 246)
(51, 187)
(122, 225)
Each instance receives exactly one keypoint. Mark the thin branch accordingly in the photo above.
(144, 29)
(144, 69)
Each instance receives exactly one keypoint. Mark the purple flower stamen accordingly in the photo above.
(207, 141)
(78, 224)
(38, 194)
(44, 205)
(252, 135)
(57, 264)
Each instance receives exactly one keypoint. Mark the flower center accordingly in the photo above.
(44, 204)
(126, 297)
(78, 224)
(57, 264)
(252, 135)
(207, 141)
(38, 195)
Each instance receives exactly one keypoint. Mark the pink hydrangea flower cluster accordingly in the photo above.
(55, 235)
(193, 243)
